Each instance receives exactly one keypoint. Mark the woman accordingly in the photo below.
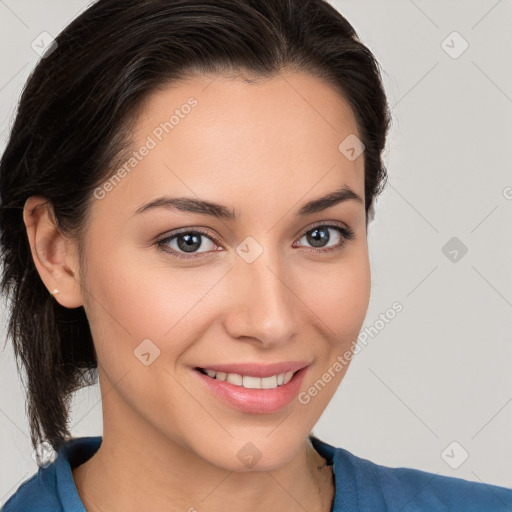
(185, 199)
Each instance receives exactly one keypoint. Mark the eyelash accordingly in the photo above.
(345, 232)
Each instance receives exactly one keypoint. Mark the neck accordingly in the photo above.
(128, 474)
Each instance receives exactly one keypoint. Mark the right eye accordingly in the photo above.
(187, 242)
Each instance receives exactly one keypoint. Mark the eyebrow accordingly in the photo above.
(203, 207)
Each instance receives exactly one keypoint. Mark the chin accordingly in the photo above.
(259, 454)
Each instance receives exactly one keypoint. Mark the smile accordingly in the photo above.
(249, 381)
(253, 388)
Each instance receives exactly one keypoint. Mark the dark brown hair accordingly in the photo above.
(73, 124)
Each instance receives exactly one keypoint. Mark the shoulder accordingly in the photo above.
(409, 490)
(52, 488)
(35, 494)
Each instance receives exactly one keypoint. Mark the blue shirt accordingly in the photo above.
(361, 486)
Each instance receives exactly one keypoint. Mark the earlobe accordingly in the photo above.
(53, 255)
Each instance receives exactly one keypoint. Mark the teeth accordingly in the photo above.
(250, 382)
(269, 382)
(234, 378)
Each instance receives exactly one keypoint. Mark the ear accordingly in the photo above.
(55, 256)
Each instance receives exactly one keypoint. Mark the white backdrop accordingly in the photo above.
(431, 388)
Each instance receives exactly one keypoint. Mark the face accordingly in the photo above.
(269, 290)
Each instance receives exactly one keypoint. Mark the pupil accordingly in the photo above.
(189, 243)
(318, 236)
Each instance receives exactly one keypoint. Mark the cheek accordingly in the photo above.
(146, 298)
(352, 294)
(340, 295)
(144, 315)
(339, 302)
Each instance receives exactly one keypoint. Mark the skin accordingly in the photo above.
(263, 149)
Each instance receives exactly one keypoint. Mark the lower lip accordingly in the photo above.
(259, 401)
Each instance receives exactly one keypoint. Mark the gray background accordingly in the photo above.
(439, 372)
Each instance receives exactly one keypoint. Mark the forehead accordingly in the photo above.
(235, 108)
(273, 139)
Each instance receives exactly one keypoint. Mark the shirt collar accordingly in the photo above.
(73, 453)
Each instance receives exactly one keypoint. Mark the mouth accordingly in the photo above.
(250, 381)
(253, 388)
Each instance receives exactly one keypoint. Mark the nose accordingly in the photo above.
(262, 306)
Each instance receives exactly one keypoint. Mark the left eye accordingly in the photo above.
(318, 235)
(189, 242)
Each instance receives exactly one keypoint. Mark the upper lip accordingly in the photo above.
(256, 369)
